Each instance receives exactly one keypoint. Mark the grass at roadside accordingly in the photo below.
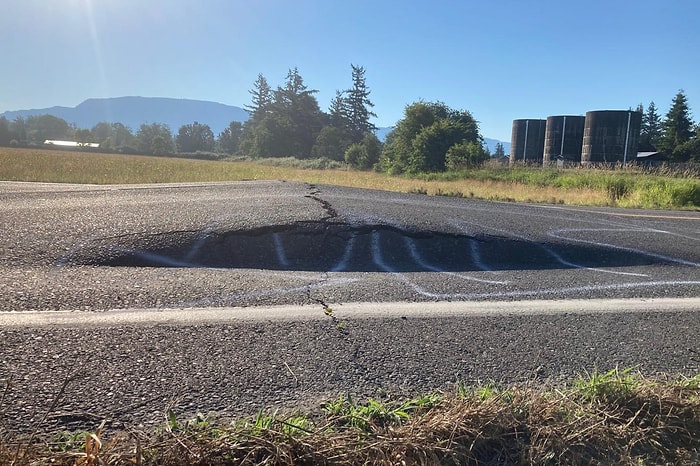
(627, 188)
(617, 417)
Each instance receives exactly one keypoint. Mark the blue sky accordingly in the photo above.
(499, 59)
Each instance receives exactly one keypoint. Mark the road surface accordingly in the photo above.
(231, 297)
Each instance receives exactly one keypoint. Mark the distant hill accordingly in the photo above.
(491, 144)
(134, 111)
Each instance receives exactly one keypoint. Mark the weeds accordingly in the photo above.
(614, 417)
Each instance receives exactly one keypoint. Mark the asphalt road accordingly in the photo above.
(228, 246)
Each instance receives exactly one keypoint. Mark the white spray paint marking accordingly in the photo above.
(556, 255)
(279, 250)
(343, 264)
(473, 247)
(563, 261)
(476, 256)
(156, 258)
(419, 260)
(559, 234)
(200, 242)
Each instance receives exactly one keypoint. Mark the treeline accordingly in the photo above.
(151, 139)
(676, 136)
(286, 121)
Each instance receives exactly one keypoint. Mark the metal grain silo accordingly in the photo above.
(563, 138)
(527, 140)
(611, 136)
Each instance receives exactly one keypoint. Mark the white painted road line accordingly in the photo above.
(349, 311)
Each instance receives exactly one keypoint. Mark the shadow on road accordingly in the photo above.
(318, 246)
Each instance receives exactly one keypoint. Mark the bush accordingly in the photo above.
(465, 155)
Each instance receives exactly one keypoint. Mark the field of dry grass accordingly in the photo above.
(96, 168)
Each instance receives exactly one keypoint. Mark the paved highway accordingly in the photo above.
(300, 250)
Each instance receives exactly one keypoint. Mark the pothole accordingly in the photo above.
(339, 247)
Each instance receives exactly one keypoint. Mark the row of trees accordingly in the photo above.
(287, 122)
(676, 136)
(155, 138)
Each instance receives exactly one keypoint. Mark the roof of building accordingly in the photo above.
(55, 142)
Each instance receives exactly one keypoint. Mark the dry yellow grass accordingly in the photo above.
(96, 168)
(611, 418)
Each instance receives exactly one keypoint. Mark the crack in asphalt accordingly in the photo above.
(325, 205)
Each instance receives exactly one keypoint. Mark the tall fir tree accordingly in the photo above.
(359, 106)
(338, 111)
(651, 128)
(261, 98)
(677, 128)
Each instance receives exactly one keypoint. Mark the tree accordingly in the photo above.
(288, 126)
(18, 131)
(296, 104)
(359, 106)
(364, 155)
(5, 135)
(262, 98)
(229, 139)
(466, 155)
(82, 136)
(112, 136)
(677, 128)
(194, 137)
(160, 145)
(694, 146)
(338, 112)
(650, 130)
(43, 127)
(420, 141)
(123, 136)
(270, 137)
(499, 151)
(146, 139)
(331, 143)
(101, 131)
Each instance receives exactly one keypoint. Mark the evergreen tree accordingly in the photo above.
(261, 98)
(359, 106)
(338, 112)
(230, 138)
(677, 128)
(651, 128)
(298, 112)
(499, 151)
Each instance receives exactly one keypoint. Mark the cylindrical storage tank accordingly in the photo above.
(611, 136)
(527, 140)
(563, 138)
